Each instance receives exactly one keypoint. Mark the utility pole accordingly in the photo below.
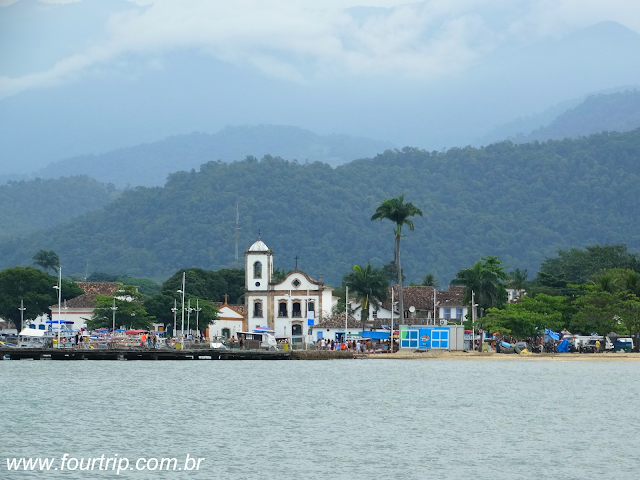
(175, 313)
(346, 313)
(473, 320)
(114, 308)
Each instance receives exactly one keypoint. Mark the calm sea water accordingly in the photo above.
(328, 419)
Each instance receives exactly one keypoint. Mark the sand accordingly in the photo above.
(502, 357)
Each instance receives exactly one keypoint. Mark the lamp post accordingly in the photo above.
(189, 310)
(22, 309)
(473, 320)
(198, 310)
(59, 288)
(346, 313)
(113, 309)
(175, 313)
(184, 275)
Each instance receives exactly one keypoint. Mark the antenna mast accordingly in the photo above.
(237, 220)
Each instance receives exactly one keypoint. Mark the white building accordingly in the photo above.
(80, 309)
(230, 321)
(419, 306)
(289, 306)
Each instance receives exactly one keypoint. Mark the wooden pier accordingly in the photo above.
(139, 354)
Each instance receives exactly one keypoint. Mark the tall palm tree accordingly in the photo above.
(398, 212)
(485, 284)
(48, 260)
(370, 287)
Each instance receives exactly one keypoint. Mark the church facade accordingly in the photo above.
(291, 306)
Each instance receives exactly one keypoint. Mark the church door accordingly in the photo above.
(226, 333)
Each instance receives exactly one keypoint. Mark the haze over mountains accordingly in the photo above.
(150, 164)
(112, 75)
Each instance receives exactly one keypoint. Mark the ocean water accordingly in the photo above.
(345, 419)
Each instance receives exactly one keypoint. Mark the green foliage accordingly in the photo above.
(30, 205)
(368, 285)
(520, 202)
(577, 266)
(528, 317)
(518, 279)
(278, 274)
(33, 286)
(430, 280)
(145, 285)
(391, 271)
(130, 312)
(48, 260)
(485, 279)
(208, 285)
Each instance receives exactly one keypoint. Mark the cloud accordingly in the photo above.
(304, 41)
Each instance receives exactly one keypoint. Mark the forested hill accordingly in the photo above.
(615, 112)
(150, 164)
(30, 205)
(520, 202)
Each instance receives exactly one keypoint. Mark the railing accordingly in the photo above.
(283, 314)
(296, 314)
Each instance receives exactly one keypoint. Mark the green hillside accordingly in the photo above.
(520, 202)
(31, 205)
(150, 164)
(614, 112)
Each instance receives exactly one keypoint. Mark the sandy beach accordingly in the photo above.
(500, 357)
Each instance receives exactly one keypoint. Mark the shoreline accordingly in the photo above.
(507, 357)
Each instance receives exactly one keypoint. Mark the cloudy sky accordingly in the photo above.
(351, 53)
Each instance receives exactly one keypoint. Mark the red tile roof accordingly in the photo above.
(91, 291)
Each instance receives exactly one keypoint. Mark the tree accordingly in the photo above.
(484, 279)
(430, 280)
(398, 212)
(527, 318)
(278, 275)
(35, 288)
(577, 266)
(518, 280)
(391, 271)
(369, 286)
(130, 311)
(48, 260)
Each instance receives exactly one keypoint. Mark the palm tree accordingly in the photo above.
(370, 287)
(48, 260)
(485, 284)
(430, 280)
(398, 212)
(518, 280)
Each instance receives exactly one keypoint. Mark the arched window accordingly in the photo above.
(257, 270)
(257, 309)
(282, 309)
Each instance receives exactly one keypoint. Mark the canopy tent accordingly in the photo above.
(135, 332)
(376, 335)
(59, 321)
(563, 346)
(32, 332)
(264, 329)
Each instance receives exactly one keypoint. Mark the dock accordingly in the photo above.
(139, 354)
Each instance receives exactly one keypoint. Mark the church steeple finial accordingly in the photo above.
(258, 234)
(226, 299)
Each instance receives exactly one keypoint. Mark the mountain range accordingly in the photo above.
(520, 202)
(150, 164)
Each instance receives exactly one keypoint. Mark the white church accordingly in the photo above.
(289, 307)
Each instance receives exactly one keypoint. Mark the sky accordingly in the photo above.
(90, 76)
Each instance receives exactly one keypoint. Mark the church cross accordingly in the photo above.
(226, 298)
(296, 258)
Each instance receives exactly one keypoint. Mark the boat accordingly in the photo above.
(259, 339)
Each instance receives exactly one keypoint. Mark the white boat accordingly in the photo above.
(33, 338)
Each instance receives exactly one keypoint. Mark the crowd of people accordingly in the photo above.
(356, 346)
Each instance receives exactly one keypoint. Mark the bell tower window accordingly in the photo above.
(257, 270)
(257, 309)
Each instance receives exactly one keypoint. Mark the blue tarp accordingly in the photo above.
(563, 346)
(554, 335)
(376, 335)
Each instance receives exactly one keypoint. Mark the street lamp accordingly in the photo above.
(184, 275)
(198, 310)
(22, 309)
(59, 288)
(114, 308)
(175, 312)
